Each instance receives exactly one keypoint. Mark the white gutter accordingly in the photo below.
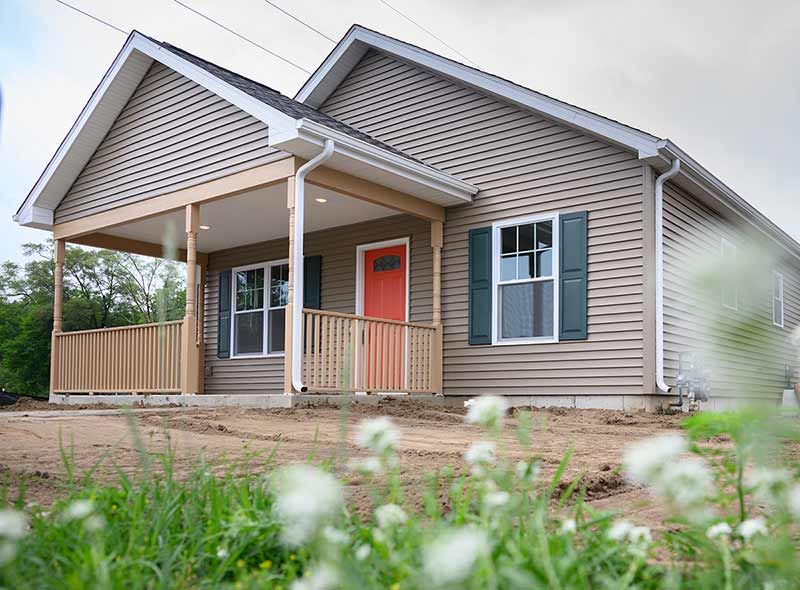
(676, 165)
(297, 259)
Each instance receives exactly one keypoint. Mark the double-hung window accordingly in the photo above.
(260, 295)
(525, 274)
(777, 299)
(730, 287)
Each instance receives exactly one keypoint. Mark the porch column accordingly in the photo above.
(288, 389)
(437, 230)
(189, 356)
(59, 250)
(201, 329)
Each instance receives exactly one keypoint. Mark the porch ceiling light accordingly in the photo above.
(321, 200)
(205, 227)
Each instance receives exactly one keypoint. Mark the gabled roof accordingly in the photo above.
(293, 127)
(656, 151)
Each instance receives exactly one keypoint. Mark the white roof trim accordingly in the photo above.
(306, 130)
(53, 181)
(655, 151)
(58, 176)
(350, 50)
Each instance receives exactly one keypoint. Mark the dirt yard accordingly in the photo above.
(433, 436)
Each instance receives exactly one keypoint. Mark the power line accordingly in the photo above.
(302, 22)
(93, 17)
(439, 39)
(242, 37)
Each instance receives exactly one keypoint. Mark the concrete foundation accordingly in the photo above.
(262, 401)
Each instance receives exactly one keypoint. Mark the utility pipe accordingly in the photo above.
(676, 165)
(297, 259)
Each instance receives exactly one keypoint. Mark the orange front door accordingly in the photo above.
(385, 283)
(385, 298)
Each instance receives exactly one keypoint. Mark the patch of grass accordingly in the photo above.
(497, 527)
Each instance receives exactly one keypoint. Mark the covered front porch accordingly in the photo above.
(252, 324)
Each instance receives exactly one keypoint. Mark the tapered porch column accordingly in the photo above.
(59, 250)
(201, 329)
(288, 389)
(190, 351)
(437, 230)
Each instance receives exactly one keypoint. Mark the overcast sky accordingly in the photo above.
(720, 78)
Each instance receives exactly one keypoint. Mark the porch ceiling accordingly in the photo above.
(252, 217)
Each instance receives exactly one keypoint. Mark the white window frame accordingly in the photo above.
(727, 245)
(267, 268)
(778, 297)
(496, 282)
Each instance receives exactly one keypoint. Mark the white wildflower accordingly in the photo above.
(322, 577)
(334, 536)
(619, 530)
(451, 557)
(793, 500)
(480, 456)
(487, 411)
(718, 530)
(569, 526)
(367, 467)
(645, 459)
(751, 527)
(685, 482)
(496, 499)
(8, 551)
(363, 552)
(305, 498)
(378, 435)
(527, 472)
(389, 516)
(94, 523)
(640, 540)
(222, 553)
(13, 524)
(640, 535)
(78, 510)
(768, 484)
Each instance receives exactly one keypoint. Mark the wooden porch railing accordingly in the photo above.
(128, 359)
(346, 353)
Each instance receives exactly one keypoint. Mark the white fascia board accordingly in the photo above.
(641, 143)
(351, 147)
(727, 197)
(36, 217)
(274, 118)
(25, 214)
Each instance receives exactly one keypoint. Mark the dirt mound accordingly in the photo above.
(605, 483)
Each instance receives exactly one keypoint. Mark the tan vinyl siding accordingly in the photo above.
(337, 247)
(745, 353)
(523, 164)
(172, 134)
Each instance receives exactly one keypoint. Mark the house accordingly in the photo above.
(407, 224)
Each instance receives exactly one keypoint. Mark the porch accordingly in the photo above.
(249, 220)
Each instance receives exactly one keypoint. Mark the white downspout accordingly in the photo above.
(297, 259)
(676, 164)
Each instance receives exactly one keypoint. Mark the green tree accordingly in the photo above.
(102, 289)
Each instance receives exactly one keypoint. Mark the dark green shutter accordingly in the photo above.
(312, 282)
(224, 316)
(480, 285)
(573, 276)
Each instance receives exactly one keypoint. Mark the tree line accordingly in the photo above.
(102, 289)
